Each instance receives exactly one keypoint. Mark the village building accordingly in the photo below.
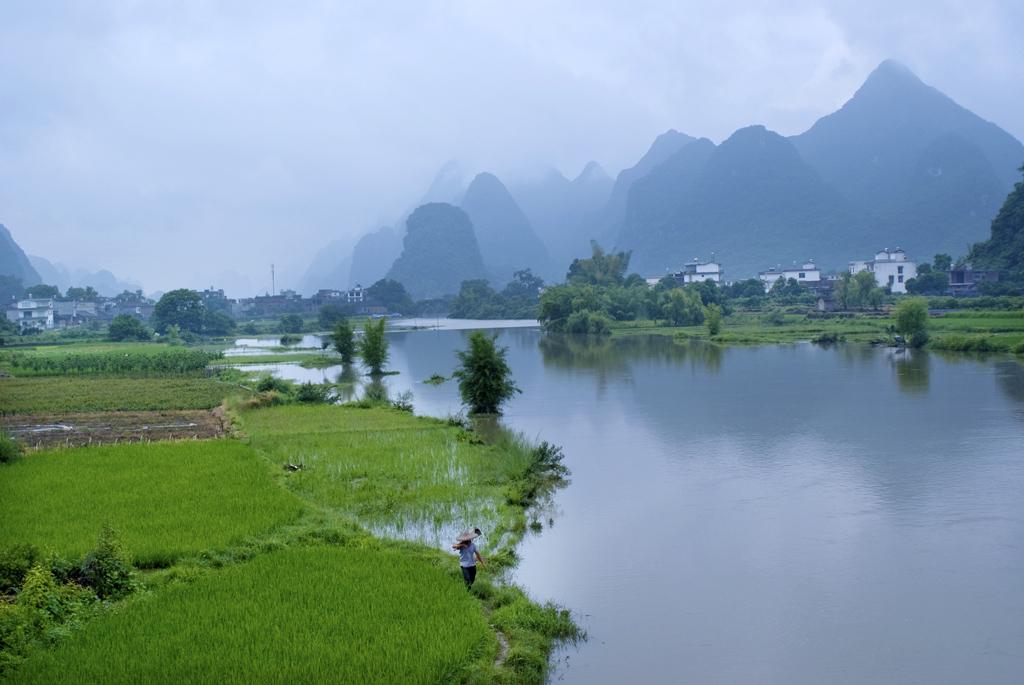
(32, 314)
(966, 281)
(807, 274)
(698, 271)
(69, 313)
(891, 269)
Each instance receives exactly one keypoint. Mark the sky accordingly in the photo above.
(193, 143)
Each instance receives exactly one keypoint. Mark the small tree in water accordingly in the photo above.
(344, 341)
(485, 379)
(912, 320)
(373, 347)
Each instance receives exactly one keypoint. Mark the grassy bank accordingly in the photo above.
(1002, 330)
(266, 574)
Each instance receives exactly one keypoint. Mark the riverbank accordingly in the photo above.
(965, 330)
(373, 496)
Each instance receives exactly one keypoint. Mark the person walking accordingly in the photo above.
(469, 555)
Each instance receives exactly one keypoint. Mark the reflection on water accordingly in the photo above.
(786, 514)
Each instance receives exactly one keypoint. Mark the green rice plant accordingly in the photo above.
(166, 499)
(401, 475)
(318, 614)
(104, 393)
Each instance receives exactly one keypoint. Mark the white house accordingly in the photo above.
(697, 271)
(31, 314)
(891, 269)
(356, 294)
(808, 273)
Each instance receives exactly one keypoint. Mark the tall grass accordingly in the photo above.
(166, 499)
(104, 393)
(404, 476)
(293, 616)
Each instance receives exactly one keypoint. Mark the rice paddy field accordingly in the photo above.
(301, 615)
(403, 476)
(166, 500)
(111, 393)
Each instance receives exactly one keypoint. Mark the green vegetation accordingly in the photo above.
(167, 499)
(148, 360)
(713, 319)
(373, 346)
(911, 317)
(344, 341)
(485, 379)
(1004, 250)
(518, 300)
(298, 615)
(90, 394)
(290, 323)
(127, 327)
(9, 448)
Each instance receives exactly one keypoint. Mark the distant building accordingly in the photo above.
(32, 314)
(74, 313)
(805, 275)
(697, 271)
(356, 294)
(891, 269)
(965, 280)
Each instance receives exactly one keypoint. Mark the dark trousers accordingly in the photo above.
(469, 575)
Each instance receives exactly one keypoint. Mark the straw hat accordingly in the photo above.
(468, 535)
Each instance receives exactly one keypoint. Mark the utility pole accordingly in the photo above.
(273, 286)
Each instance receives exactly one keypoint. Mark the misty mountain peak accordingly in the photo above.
(592, 172)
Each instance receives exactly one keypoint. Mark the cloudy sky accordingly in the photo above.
(191, 143)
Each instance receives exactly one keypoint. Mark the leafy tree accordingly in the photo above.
(713, 319)
(587, 322)
(344, 341)
(681, 307)
(929, 281)
(87, 294)
(373, 346)
(912, 320)
(290, 323)
(485, 379)
(942, 262)
(216, 322)
(1004, 250)
(477, 300)
(127, 327)
(332, 313)
(390, 294)
(600, 269)
(41, 291)
(182, 308)
(751, 287)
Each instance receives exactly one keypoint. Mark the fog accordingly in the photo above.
(194, 143)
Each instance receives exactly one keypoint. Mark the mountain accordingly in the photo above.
(330, 268)
(448, 185)
(930, 171)
(506, 238)
(899, 165)
(752, 201)
(1004, 249)
(13, 261)
(565, 213)
(105, 283)
(663, 147)
(439, 251)
(373, 255)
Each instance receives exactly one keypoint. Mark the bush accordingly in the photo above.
(107, 568)
(344, 341)
(1018, 348)
(485, 379)
(10, 449)
(268, 383)
(373, 347)
(127, 327)
(828, 338)
(403, 402)
(15, 562)
(713, 319)
(288, 339)
(313, 393)
(290, 323)
(586, 322)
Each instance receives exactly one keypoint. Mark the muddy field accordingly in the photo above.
(72, 430)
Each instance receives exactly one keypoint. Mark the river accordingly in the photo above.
(776, 514)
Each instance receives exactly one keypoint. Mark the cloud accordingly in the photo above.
(179, 142)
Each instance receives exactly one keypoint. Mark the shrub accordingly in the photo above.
(828, 338)
(344, 341)
(268, 383)
(586, 322)
(15, 561)
(10, 449)
(312, 393)
(107, 568)
(713, 319)
(485, 379)
(373, 347)
(403, 402)
(1018, 348)
(288, 340)
(127, 327)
